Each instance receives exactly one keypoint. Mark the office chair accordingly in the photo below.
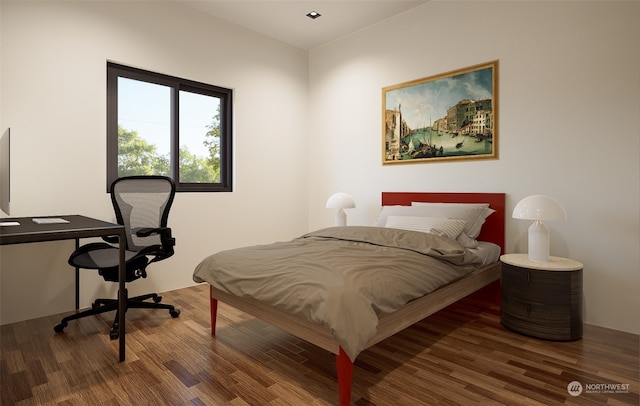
(141, 204)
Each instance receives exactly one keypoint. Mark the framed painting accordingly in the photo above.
(450, 116)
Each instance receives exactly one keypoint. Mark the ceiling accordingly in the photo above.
(287, 21)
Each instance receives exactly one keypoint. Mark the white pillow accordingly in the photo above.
(474, 214)
(441, 210)
(440, 226)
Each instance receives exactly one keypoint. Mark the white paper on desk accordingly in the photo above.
(50, 220)
(9, 223)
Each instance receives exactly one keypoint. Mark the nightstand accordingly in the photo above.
(542, 299)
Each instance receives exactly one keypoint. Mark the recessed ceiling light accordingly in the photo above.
(313, 15)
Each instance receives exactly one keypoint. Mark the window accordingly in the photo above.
(163, 125)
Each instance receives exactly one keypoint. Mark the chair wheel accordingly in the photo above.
(60, 327)
(174, 313)
(157, 299)
(114, 334)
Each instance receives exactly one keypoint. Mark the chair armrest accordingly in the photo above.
(147, 231)
(164, 232)
(113, 239)
(167, 241)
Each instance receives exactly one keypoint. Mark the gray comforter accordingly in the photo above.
(340, 277)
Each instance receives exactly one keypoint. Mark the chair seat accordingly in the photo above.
(98, 256)
(106, 258)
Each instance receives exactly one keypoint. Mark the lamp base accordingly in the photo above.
(538, 242)
(341, 218)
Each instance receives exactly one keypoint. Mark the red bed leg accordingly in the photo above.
(214, 312)
(345, 375)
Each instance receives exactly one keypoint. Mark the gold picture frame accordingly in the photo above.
(450, 116)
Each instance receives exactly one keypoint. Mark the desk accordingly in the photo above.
(77, 227)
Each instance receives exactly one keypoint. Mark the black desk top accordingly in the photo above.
(77, 227)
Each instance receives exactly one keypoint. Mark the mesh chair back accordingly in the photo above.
(141, 202)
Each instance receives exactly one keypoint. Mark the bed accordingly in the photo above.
(473, 274)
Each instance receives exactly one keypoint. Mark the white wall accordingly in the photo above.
(569, 104)
(53, 95)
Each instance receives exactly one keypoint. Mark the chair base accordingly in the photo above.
(100, 306)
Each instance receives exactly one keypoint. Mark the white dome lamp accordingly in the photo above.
(341, 201)
(538, 208)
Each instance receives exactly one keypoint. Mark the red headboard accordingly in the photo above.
(493, 228)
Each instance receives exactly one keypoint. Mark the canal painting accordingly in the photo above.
(444, 117)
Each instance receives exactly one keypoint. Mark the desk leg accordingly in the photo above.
(77, 279)
(122, 295)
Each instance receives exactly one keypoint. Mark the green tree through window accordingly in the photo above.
(137, 157)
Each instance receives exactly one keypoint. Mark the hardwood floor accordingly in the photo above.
(461, 355)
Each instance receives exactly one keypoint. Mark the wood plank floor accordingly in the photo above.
(461, 355)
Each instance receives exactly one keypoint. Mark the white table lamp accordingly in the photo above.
(341, 201)
(538, 208)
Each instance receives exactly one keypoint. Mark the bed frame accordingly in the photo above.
(409, 314)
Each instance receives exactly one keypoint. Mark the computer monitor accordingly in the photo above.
(5, 172)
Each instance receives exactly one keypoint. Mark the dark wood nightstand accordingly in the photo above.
(542, 299)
